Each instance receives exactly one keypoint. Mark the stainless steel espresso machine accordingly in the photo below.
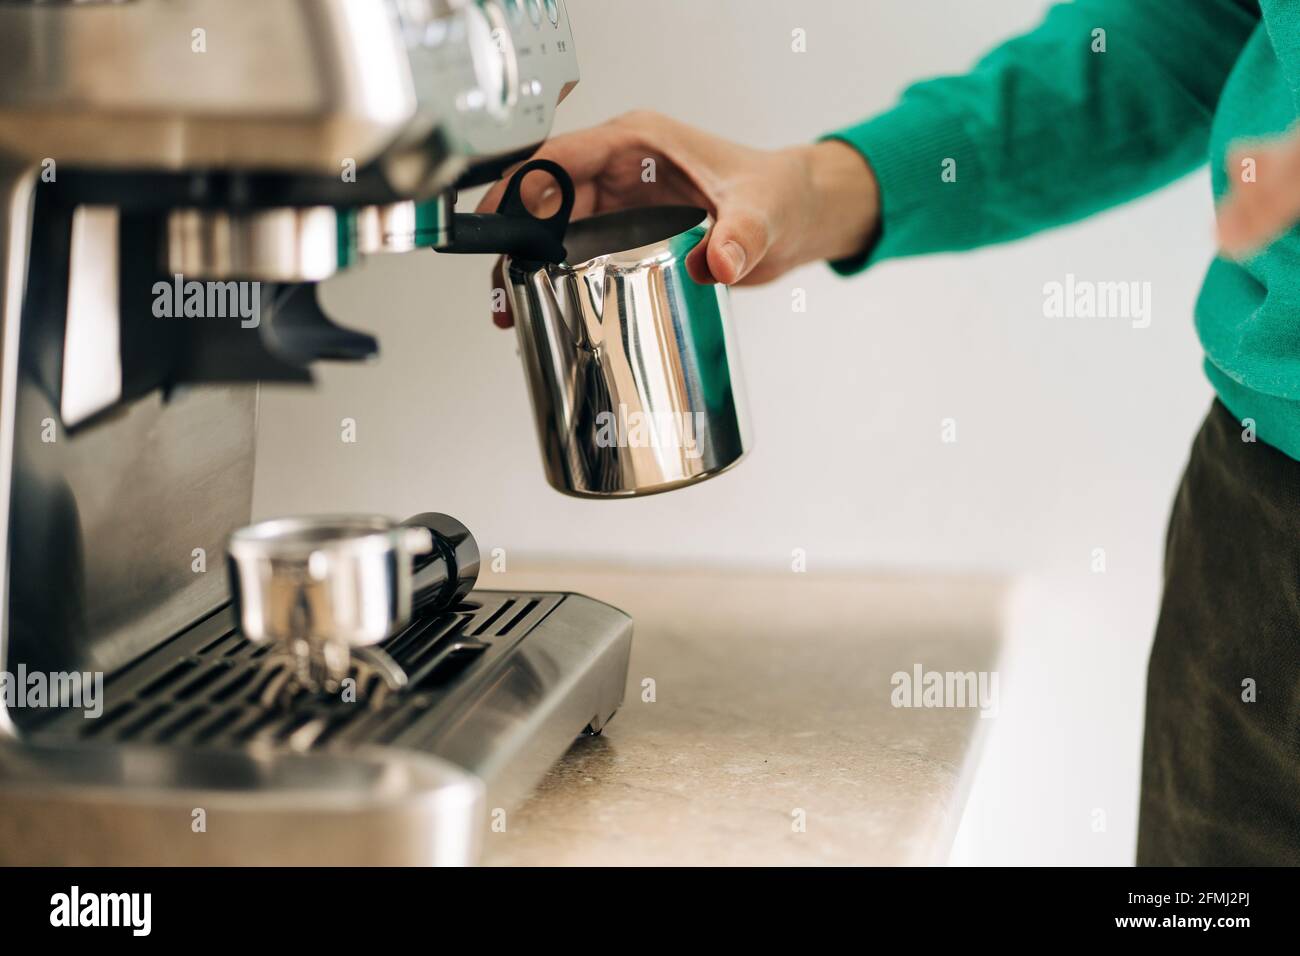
(176, 176)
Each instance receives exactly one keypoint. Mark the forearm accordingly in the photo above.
(1051, 126)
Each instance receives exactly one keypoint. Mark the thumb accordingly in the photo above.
(732, 249)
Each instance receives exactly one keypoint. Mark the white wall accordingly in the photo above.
(1071, 433)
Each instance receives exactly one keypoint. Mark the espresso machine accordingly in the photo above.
(176, 177)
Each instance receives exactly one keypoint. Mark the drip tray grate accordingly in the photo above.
(203, 688)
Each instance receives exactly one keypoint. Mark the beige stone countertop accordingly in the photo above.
(772, 707)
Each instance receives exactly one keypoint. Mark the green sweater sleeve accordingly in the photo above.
(1051, 126)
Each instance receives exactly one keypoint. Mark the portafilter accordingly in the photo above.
(326, 589)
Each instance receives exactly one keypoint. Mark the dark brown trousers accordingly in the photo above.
(1221, 761)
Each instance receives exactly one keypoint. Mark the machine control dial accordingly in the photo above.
(496, 67)
(491, 72)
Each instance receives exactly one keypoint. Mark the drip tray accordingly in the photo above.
(499, 686)
(204, 687)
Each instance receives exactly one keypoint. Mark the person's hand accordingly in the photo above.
(1263, 196)
(772, 209)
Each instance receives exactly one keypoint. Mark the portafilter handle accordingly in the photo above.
(445, 575)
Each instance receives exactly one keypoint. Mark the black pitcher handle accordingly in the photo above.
(513, 230)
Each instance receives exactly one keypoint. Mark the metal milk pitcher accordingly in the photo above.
(631, 364)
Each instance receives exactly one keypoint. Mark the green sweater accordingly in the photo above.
(1050, 127)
